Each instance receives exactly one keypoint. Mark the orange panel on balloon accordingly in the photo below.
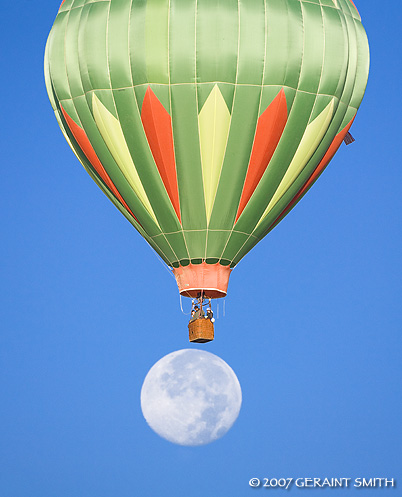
(270, 127)
(85, 145)
(158, 129)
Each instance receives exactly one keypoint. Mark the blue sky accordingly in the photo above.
(313, 333)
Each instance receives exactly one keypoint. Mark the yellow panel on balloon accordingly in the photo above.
(214, 122)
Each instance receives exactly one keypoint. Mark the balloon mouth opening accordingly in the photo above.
(211, 279)
(209, 293)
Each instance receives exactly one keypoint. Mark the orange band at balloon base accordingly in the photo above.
(212, 279)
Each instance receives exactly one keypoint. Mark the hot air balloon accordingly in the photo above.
(205, 121)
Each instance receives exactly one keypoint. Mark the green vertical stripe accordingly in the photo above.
(156, 40)
(117, 46)
(196, 243)
(352, 60)
(48, 78)
(236, 241)
(336, 53)
(252, 42)
(217, 40)
(178, 243)
(93, 46)
(313, 48)
(284, 51)
(216, 242)
(277, 54)
(188, 160)
(137, 42)
(57, 66)
(182, 41)
(71, 50)
(362, 69)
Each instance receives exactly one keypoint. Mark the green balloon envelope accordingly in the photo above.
(205, 121)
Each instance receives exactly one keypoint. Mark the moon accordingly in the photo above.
(191, 397)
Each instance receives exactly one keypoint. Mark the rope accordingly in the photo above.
(160, 259)
(181, 307)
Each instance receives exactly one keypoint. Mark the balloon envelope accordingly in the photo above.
(205, 121)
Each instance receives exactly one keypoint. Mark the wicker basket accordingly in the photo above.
(201, 330)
